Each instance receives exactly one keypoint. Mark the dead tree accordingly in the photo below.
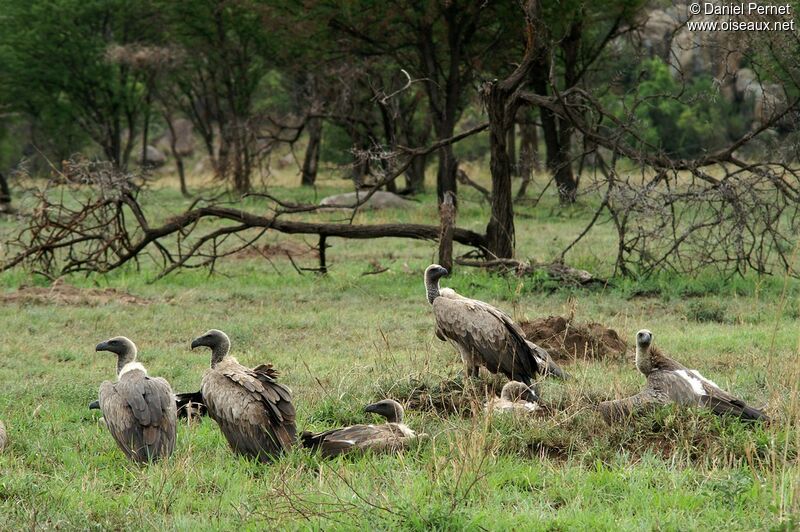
(447, 215)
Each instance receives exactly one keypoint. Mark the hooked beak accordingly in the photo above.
(445, 273)
(371, 408)
(644, 339)
(94, 405)
(102, 346)
(196, 342)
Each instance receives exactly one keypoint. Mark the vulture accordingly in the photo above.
(139, 410)
(484, 336)
(393, 435)
(3, 437)
(669, 381)
(189, 405)
(253, 411)
(515, 397)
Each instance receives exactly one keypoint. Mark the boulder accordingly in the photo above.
(184, 138)
(154, 157)
(379, 200)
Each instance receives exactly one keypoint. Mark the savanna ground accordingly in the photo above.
(346, 339)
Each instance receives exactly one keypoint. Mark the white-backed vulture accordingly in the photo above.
(515, 397)
(391, 436)
(484, 335)
(669, 381)
(3, 437)
(253, 411)
(139, 410)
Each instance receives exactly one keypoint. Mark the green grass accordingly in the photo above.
(344, 340)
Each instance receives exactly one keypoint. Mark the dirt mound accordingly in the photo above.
(278, 250)
(567, 340)
(64, 294)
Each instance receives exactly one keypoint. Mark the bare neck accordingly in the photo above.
(432, 289)
(124, 359)
(219, 352)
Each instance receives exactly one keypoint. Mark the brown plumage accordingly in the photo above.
(669, 381)
(139, 410)
(253, 411)
(516, 398)
(484, 336)
(392, 436)
(3, 437)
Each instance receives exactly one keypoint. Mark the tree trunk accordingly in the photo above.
(528, 155)
(500, 230)
(447, 214)
(311, 161)
(415, 175)
(448, 166)
(511, 142)
(556, 140)
(173, 148)
(5, 195)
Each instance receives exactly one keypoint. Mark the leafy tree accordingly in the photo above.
(56, 68)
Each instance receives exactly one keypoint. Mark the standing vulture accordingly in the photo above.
(3, 437)
(392, 436)
(669, 381)
(139, 410)
(516, 398)
(254, 411)
(484, 335)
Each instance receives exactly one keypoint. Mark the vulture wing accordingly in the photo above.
(378, 438)
(690, 383)
(253, 411)
(488, 333)
(722, 402)
(140, 413)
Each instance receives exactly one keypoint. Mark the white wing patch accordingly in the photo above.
(695, 380)
(132, 366)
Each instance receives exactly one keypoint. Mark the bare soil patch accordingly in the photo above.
(64, 294)
(567, 340)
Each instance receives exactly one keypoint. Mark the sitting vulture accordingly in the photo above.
(669, 381)
(189, 404)
(516, 398)
(139, 410)
(484, 335)
(3, 437)
(393, 435)
(254, 411)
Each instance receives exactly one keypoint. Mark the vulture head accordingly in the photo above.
(218, 341)
(433, 273)
(519, 391)
(644, 339)
(120, 346)
(388, 408)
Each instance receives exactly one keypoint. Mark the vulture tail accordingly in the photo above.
(551, 368)
(744, 412)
